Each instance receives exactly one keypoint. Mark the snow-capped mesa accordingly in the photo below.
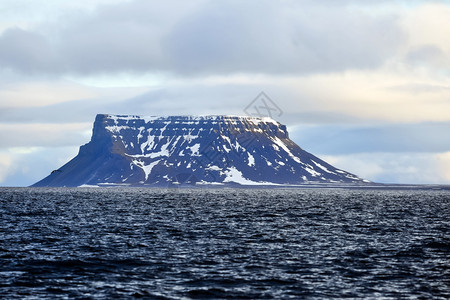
(193, 150)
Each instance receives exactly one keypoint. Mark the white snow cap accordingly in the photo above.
(255, 120)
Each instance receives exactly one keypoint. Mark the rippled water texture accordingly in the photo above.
(126, 243)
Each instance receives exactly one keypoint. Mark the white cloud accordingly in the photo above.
(428, 28)
(30, 14)
(44, 135)
(23, 166)
(5, 165)
(443, 165)
(335, 139)
(414, 168)
(41, 93)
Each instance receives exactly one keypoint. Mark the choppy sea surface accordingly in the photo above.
(104, 243)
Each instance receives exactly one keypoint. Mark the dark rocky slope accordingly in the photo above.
(206, 150)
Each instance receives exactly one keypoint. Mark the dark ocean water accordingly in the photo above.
(171, 244)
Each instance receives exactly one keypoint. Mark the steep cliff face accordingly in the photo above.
(215, 150)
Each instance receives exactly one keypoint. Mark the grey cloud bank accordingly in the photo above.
(218, 37)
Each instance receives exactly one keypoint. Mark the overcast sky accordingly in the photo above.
(364, 85)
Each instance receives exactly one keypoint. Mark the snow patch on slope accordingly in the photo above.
(251, 160)
(234, 175)
(323, 167)
(146, 168)
(280, 143)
